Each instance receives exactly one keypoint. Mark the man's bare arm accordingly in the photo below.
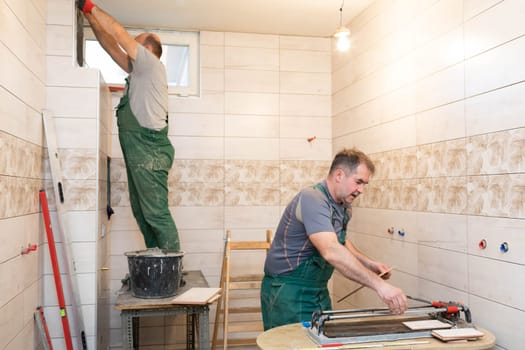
(109, 44)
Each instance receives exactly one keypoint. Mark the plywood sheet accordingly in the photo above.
(197, 296)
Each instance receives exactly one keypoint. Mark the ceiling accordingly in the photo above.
(318, 18)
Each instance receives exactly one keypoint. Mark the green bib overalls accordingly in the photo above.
(293, 297)
(148, 155)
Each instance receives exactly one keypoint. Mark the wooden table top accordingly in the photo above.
(126, 301)
(294, 336)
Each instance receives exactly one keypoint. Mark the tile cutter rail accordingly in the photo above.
(369, 325)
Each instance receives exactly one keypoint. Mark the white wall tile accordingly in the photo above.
(304, 105)
(507, 326)
(251, 148)
(441, 17)
(443, 123)
(251, 58)
(212, 38)
(62, 72)
(59, 39)
(16, 118)
(436, 264)
(19, 81)
(251, 40)
(304, 61)
(198, 217)
(507, 281)
(211, 56)
(394, 135)
(304, 83)
(75, 133)
(251, 217)
(496, 110)
(497, 24)
(251, 81)
(479, 79)
(318, 149)
(190, 124)
(445, 231)
(198, 147)
(251, 126)
(251, 103)
(304, 43)
(320, 127)
(60, 12)
(496, 231)
(66, 102)
(441, 88)
(212, 79)
(208, 102)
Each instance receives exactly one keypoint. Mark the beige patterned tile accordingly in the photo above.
(455, 195)
(303, 171)
(119, 194)
(8, 161)
(408, 167)
(497, 195)
(80, 194)
(442, 159)
(430, 194)
(408, 196)
(196, 194)
(197, 170)
(259, 171)
(117, 170)
(289, 190)
(251, 194)
(79, 164)
(425, 161)
(496, 153)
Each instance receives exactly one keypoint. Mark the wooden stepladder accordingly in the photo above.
(237, 290)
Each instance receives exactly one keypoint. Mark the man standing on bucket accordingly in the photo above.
(142, 117)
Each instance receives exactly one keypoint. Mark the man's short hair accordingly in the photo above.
(349, 160)
(153, 41)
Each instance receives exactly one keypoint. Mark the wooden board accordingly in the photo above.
(426, 324)
(457, 334)
(197, 296)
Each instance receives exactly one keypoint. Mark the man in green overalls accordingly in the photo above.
(311, 241)
(142, 117)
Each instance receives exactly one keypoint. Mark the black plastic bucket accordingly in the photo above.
(154, 273)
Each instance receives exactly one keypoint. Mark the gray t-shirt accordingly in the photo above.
(148, 90)
(309, 212)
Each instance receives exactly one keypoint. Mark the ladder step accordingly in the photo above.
(245, 285)
(237, 342)
(245, 310)
(246, 278)
(249, 245)
(245, 327)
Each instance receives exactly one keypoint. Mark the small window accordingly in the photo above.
(180, 52)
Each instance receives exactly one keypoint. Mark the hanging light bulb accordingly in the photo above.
(342, 33)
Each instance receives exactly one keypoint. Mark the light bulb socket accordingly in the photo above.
(342, 32)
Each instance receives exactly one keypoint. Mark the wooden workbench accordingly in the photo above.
(132, 308)
(294, 336)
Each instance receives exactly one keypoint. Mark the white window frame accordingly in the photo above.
(190, 39)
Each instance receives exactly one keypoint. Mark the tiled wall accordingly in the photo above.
(433, 90)
(80, 104)
(241, 152)
(22, 97)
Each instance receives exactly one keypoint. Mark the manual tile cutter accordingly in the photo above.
(369, 325)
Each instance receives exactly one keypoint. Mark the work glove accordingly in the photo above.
(85, 5)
